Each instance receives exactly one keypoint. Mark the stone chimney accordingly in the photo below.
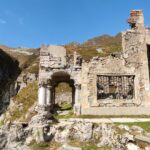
(136, 20)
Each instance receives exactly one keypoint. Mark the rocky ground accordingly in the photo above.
(25, 126)
(45, 132)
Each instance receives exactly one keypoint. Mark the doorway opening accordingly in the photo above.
(63, 92)
(63, 96)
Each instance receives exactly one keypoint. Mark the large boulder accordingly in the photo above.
(136, 130)
(107, 135)
(82, 131)
(132, 146)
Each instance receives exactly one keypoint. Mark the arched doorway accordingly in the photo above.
(56, 67)
(62, 81)
(46, 93)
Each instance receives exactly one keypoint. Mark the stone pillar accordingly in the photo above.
(77, 103)
(48, 95)
(41, 95)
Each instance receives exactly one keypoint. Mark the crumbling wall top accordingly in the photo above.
(53, 56)
(136, 19)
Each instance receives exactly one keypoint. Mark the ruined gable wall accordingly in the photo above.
(132, 61)
(135, 50)
(139, 105)
(105, 66)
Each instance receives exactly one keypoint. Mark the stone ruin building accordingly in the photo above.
(115, 85)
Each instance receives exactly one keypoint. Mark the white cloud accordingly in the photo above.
(2, 21)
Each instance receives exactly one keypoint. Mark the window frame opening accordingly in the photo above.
(113, 87)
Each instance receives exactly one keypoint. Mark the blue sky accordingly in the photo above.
(30, 23)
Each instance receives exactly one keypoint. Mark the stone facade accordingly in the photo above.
(114, 85)
(56, 67)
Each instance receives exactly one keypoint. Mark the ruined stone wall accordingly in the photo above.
(148, 35)
(105, 66)
(51, 57)
(133, 61)
(135, 52)
(125, 85)
(114, 66)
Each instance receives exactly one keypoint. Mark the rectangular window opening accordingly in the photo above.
(115, 87)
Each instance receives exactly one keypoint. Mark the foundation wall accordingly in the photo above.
(119, 111)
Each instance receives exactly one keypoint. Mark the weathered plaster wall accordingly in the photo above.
(148, 35)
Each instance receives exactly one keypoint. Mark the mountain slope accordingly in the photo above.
(104, 40)
(99, 46)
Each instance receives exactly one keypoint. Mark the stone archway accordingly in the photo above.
(47, 90)
(59, 77)
(56, 67)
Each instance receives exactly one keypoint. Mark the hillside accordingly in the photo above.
(104, 40)
(101, 46)
(98, 46)
(25, 56)
(28, 58)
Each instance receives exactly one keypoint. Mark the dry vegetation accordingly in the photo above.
(24, 100)
(63, 87)
(87, 50)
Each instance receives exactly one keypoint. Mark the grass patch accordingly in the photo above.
(39, 146)
(54, 145)
(1, 123)
(111, 116)
(69, 115)
(144, 125)
(63, 87)
(30, 60)
(26, 98)
(87, 145)
(99, 117)
(87, 52)
(65, 106)
(94, 147)
(33, 69)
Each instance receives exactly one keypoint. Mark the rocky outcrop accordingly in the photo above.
(42, 128)
(12, 136)
(9, 70)
(18, 135)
